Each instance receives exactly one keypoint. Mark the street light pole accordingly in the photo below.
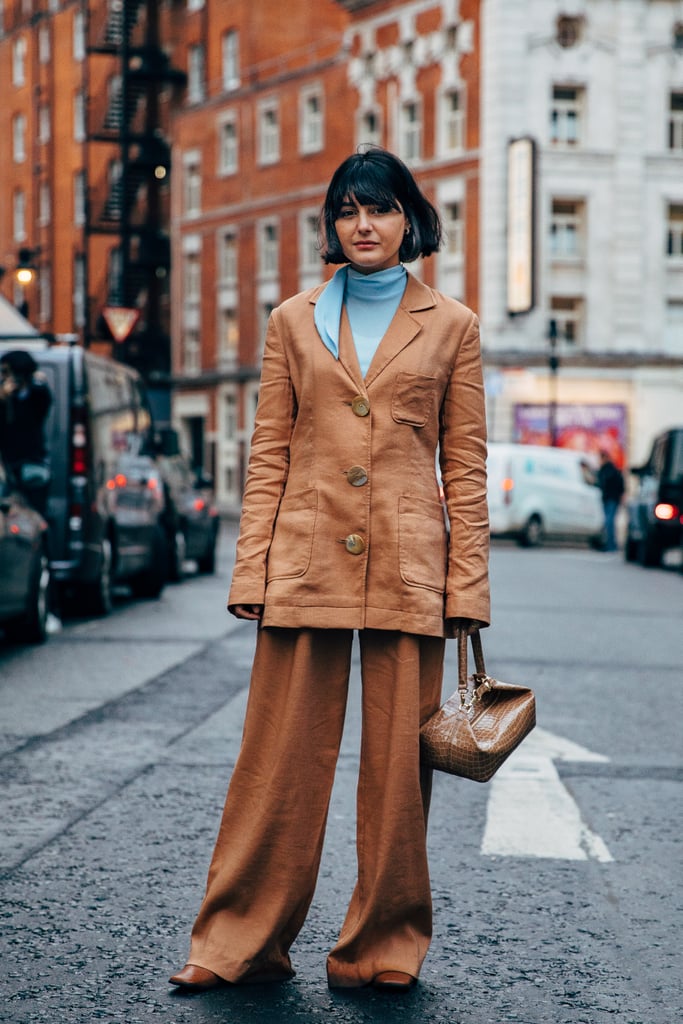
(553, 366)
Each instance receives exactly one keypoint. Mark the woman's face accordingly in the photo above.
(370, 236)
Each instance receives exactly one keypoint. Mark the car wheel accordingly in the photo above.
(32, 629)
(630, 549)
(151, 582)
(649, 552)
(207, 563)
(176, 557)
(532, 533)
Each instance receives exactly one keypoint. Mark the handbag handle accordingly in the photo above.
(480, 675)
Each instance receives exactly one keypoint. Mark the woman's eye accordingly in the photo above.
(347, 213)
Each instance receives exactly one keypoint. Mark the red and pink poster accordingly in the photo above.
(585, 428)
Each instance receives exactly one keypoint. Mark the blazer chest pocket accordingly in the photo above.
(413, 397)
(422, 543)
(292, 544)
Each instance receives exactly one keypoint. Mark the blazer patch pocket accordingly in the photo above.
(422, 550)
(412, 400)
(292, 544)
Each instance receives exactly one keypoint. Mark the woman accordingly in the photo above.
(342, 529)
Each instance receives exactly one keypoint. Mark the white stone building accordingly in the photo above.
(598, 86)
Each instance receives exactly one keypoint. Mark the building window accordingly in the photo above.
(44, 49)
(44, 204)
(19, 62)
(196, 81)
(230, 50)
(19, 216)
(79, 117)
(269, 133)
(453, 121)
(454, 231)
(192, 280)
(19, 138)
(228, 153)
(79, 35)
(192, 362)
(114, 203)
(79, 198)
(230, 425)
(227, 258)
(673, 326)
(678, 36)
(676, 121)
(311, 129)
(229, 335)
(410, 131)
(674, 236)
(192, 191)
(44, 125)
(566, 229)
(44, 294)
(370, 129)
(268, 250)
(115, 277)
(567, 313)
(310, 253)
(568, 31)
(264, 311)
(566, 115)
(195, 5)
(79, 291)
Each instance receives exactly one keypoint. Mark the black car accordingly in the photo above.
(105, 507)
(191, 519)
(655, 514)
(24, 567)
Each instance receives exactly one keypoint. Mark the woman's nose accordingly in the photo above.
(363, 220)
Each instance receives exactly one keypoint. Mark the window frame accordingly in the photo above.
(228, 154)
(410, 131)
(566, 112)
(311, 123)
(269, 134)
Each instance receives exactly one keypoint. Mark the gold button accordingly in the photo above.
(355, 544)
(357, 476)
(360, 405)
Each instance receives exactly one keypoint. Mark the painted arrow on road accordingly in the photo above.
(531, 813)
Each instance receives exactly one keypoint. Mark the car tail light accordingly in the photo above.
(666, 511)
(198, 504)
(79, 445)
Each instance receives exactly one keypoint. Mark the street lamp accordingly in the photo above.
(24, 274)
(553, 366)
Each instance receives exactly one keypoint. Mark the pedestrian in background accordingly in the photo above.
(610, 480)
(25, 400)
(342, 529)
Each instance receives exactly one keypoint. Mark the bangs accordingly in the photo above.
(367, 184)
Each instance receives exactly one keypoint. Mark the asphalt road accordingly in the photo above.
(557, 887)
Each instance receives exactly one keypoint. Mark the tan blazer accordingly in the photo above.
(341, 524)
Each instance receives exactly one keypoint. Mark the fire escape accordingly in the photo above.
(131, 85)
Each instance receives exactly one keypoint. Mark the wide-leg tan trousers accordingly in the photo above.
(265, 863)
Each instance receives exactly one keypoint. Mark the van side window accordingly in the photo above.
(676, 460)
(112, 408)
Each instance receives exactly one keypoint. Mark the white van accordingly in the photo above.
(536, 493)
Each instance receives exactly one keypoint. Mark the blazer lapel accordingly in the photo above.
(403, 328)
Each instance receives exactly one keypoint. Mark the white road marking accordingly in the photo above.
(530, 812)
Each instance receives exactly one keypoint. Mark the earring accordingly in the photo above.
(407, 230)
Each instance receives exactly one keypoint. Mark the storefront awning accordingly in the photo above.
(14, 326)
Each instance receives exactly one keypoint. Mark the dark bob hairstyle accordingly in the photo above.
(376, 177)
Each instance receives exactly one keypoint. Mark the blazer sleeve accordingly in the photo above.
(463, 469)
(267, 471)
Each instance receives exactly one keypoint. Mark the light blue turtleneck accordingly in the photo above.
(371, 302)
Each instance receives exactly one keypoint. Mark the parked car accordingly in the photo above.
(655, 513)
(191, 518)
(105, 504)
(24, 566)
(538, 493)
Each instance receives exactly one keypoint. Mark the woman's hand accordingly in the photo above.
(246, 611)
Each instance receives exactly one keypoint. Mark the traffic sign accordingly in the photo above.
(120, 320)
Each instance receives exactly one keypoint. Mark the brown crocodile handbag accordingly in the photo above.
(481, 724)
